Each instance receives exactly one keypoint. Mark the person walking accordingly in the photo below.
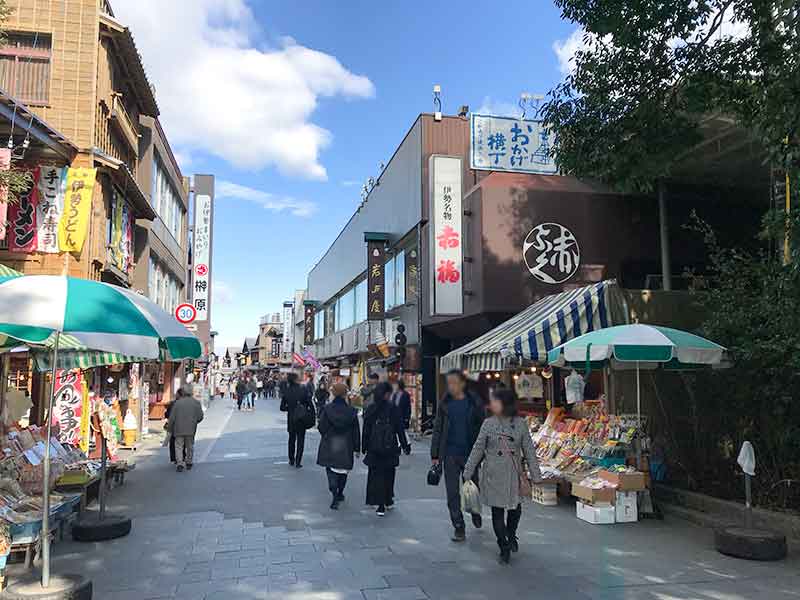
(459, 417)
(402, 401)
(321, 395)
(502, 444)
(252, 390)
(241, 391)
(299, 407)
(184, 417)
(260, 387)
(383, 438)
(341, 438)
(367, 391)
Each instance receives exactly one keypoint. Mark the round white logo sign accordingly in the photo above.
(551, 253)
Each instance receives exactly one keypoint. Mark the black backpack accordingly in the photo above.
(383, 439)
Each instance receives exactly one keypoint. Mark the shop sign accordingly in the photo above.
(446, 281)
(551, 253)
(5, 165)
(74, 224)
(509, 144)
(22, 219)
(412, 275)
(308, 324)
(68, 405)
(49, 208)
(202, 256)
(376, 294)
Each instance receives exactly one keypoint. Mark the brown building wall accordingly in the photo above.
(74, 27)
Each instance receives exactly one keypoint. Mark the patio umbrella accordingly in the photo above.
(38, 309)
(638, 346)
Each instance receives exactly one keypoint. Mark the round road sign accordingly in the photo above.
(185, 313)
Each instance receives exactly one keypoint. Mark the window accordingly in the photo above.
(361, 301)
(163, 288)
(165, 199)
(319, 324)
(25, 67)
(346, 310)
(395, 280)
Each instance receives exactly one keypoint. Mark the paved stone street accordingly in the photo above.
(243, 525)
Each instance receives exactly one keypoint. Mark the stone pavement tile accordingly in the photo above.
(254, 561)
(134, 595)
(202, 565)
(238, 572)
(238, 554)
(407, 593)
(193, 591)
(339, 581)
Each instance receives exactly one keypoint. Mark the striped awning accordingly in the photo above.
(9, 272)
(539, 328)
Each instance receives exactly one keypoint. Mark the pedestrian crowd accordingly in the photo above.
(485, 452)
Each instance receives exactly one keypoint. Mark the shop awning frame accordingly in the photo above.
(547, 323)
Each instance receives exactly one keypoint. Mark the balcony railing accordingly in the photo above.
(111, 141)
(121, 119)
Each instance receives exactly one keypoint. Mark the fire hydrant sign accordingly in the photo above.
(446, 281)
(185, 313)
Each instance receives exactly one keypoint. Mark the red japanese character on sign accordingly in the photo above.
(449, 238)
(447, 272)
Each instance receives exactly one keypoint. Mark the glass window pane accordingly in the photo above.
(361, 301)
(388, 279)
(400, 279)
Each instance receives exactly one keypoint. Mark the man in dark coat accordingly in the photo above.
(295, 396)
(341, 438)
(402, 400)
(184, 416)
(459, 417)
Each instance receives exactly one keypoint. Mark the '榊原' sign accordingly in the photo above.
(509, 144)
(202, 256)
(446, 281)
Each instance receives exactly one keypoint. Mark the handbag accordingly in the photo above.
(470, 498)
(435, 474)
(525, 486)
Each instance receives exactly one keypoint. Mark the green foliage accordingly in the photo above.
(751, 303)
(651, 69)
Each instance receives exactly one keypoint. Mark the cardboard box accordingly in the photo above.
(626, 507)
(597, 515)
(592, 496)
(625, 482)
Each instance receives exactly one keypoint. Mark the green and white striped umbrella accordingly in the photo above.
(9, 272)
(647, 345)
(96, 316)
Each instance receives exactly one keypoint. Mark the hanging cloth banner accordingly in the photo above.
(5, 165)
(117, 233)
(68, 405)
(49, 208)
(74, 223)
(85, 415)
(22, 233)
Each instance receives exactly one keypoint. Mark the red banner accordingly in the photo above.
(68, 405)
(22, 228)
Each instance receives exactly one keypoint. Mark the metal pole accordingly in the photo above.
(104, 450)
(45, 533)
(666, 266)
(638, 397)
(748, 507)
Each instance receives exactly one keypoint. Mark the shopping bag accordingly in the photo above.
(470, 498)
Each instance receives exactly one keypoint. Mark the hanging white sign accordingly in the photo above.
(446, 281)
(509, 144)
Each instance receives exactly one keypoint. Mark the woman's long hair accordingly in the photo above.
(508, 399)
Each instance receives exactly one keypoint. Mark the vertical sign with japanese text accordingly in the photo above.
(509, 144)
(74, 224)
(308, 324)
(5, 165)
(68, 405)
(446, 282)
(376, 294)
(49, 208)
(202, 256)
(22, 233)
(412, 275)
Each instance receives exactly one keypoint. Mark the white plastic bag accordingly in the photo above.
(470, 498)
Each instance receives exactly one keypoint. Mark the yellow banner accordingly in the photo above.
(86, 411)
(74, 224)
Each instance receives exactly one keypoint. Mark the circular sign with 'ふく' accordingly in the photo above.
(551, 253)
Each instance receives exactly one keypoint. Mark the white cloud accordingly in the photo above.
(498, 108)
(234, 191)
(223, 93)
(350, 182)
(565, 50)
(223, 292)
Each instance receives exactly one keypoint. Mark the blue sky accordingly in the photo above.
(292, 105)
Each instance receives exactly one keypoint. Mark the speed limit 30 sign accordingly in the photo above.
(185, 313)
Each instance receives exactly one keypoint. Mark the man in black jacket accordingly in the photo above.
(459, 417)
(294, 396)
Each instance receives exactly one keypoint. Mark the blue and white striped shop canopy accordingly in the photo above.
(548, 323)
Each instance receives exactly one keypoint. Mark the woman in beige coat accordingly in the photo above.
(504, 440)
